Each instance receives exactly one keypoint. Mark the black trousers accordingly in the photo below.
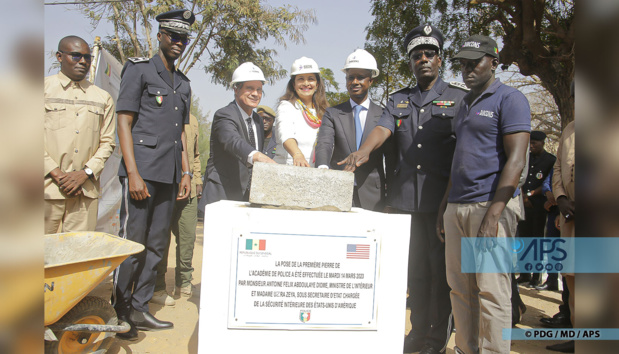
(427, 283)
(146, 222)
(534, 223)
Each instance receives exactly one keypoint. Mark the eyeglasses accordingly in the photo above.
(75, 56)
(175, 37)
(430, 54)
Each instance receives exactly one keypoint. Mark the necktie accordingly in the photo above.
(250, 132)
(358, 127)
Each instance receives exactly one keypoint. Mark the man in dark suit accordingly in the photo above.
(420, 118)
(346, 126)
(237, 139)
(268, 118)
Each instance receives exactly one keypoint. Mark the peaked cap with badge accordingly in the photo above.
(178, 21)
(425, 35)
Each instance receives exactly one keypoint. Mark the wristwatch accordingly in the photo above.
(88, 171)
(187, 173)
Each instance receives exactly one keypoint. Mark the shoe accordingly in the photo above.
(559, 320)
(534, 284)
(133, 332)
(412, 344)
(517, 312)
(548, 286)
(144, 321)
(567, 347)
(523, 278)
(186, 291)
(162, 297)
(427, 349)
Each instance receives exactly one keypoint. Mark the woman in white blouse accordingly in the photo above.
(299, 114)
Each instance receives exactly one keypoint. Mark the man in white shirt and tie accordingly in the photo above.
(346, 126)
(236, 139)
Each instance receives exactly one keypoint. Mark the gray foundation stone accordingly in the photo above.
(292, 187)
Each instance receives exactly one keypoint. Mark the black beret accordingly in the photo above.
(538, 135)
(178, 21)
(424, 35)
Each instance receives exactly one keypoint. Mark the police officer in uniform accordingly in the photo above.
(153, 107)
(421, 121)
(540, 164)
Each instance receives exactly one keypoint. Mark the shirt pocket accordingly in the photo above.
(401, 117)
(145, 140)
(95, 117)
(56, 116)
(157, 96)
(442, 119)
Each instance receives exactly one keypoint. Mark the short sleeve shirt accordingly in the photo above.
(480, 155)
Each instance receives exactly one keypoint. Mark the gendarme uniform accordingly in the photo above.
(424, 140)
(161, 103)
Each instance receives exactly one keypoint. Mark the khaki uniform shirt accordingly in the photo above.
(192, 133)
(80, 130)
(563, 175)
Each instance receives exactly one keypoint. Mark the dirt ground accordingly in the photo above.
(184, 337)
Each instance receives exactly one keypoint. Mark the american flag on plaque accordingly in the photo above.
(356, 251)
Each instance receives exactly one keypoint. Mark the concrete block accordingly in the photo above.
(292, 187)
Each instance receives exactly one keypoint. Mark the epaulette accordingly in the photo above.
(459, 85)
(138, 60)
(398, 90)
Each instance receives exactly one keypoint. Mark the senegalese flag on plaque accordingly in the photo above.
(255, 245)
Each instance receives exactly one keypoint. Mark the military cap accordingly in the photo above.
(477, 46)
(178, 21)
(538, 135)
(424, 35)
(266, 109)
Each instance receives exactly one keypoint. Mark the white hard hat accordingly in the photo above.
(247, 72)
(361, 59)
(304, 65)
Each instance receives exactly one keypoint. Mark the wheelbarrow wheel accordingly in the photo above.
(91, 310)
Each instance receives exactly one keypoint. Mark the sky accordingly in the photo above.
(340, 29)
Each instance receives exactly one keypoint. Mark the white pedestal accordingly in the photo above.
(222, 223)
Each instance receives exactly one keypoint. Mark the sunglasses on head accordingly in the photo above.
(175, 37)
(429, 53)
(77, 56)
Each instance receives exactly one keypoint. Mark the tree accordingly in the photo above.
(226, 32)
(204, 145)
(333, 97)
(537, 36)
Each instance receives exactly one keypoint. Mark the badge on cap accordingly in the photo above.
(187, 15)
(159, 99)
(427, 30)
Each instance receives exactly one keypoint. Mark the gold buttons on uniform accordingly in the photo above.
(419, 167)
(420, 127)
(422, 110)
(176, 108)
(141, 140)
(419, 146)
